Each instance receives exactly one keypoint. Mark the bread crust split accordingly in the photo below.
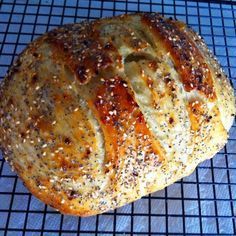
(98, 114)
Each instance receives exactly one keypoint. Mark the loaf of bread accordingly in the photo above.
(98, 114)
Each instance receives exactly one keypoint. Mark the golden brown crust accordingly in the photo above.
(113, 104)
(191, 65)
(85, 61)
(96, 115)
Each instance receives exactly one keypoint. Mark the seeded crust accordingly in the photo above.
(96, 115)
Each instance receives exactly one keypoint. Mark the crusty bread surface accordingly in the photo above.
(98, 114)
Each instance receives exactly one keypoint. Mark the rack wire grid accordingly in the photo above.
(201, 204)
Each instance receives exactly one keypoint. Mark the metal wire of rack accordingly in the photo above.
(201, 204)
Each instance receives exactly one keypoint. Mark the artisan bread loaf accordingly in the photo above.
(98, 114)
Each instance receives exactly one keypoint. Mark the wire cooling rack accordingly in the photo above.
(201, 204)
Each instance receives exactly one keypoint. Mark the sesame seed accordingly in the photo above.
(42, 187)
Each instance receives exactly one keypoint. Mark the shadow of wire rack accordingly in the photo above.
(201, 204)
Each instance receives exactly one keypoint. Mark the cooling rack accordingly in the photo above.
(201, 204)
